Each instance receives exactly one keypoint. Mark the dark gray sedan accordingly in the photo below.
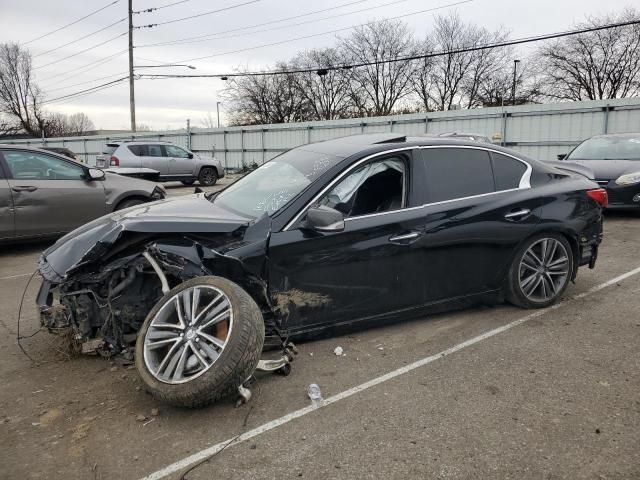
(43, 194)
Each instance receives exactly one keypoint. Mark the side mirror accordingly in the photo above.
(95, 174)
(562, 156)
(325, 219)
(190, 155)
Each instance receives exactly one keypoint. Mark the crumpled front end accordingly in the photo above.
(99, 284)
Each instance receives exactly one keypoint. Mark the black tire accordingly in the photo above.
(235, 364)
(514, 292)
(208, 176)
(130, 203)
(188, 183)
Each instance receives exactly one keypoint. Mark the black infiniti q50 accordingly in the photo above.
(356, 230)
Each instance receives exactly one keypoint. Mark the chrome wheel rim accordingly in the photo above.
(188, 334)
(544, 270)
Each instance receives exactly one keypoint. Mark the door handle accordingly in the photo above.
(26, 188)
(516, 215)
(404, 237)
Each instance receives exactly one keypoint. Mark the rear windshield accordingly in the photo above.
(109, 149)
(608, 148)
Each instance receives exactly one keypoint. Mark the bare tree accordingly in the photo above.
(595, 65)
(260, 99)
(456, 78)
(79, 124)
(376, 88)
(326, 91)
(20, 98)
(208, 121)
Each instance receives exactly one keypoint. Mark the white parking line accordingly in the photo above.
(207, 452)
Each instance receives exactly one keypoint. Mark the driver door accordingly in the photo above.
(50, 195)
(362, 272)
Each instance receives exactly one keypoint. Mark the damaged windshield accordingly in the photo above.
(274, 184)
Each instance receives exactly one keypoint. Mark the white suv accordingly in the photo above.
(171, 161)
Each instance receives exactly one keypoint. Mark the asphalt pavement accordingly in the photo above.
(489, 392)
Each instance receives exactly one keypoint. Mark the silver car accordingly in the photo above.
(171, 161)
(43, 194)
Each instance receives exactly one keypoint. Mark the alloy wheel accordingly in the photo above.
(544, 270)
(188, 334)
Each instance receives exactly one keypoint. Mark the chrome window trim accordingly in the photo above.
(525, 182)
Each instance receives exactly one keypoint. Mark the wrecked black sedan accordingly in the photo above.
(361, 229)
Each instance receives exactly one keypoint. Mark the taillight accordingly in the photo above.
(600, 196)
(115, 161)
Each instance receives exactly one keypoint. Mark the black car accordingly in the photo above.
(615, 162)
(357, 230)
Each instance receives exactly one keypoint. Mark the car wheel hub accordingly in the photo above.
(188, 334)
(544, 270)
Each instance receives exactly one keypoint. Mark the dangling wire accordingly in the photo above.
(22, 337)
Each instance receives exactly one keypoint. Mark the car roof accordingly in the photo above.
(36, 149)
(618, 135)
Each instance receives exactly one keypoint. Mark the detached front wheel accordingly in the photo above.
(200, 342)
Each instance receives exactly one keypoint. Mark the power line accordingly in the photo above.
(49, 90)
(87, 91)
(506, 43)
(153, 9)
(185, 40)
(323, 33)
(81, 51)
(72, 23)
(96, 63)
(78, 39)
(230, 7)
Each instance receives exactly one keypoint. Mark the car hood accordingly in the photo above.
(193, 214)
(609, 169)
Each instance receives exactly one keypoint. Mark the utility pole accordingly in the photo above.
(218, 112)
(132, 95)
(515, 72)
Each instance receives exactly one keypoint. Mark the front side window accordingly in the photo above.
(507, 171)
(36, 166)
(154, 150)
(177, 152)
(274, 184)
(375, 187)
(457, 173)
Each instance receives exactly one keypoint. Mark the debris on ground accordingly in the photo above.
(140, 418)
(114, 369)
(314, 393)
(338, 351)
(155, 412)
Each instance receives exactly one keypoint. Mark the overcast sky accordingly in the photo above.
(168, 103)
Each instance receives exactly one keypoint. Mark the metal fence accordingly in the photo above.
(540, 131)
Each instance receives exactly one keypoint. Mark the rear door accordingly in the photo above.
(7, 227)
(179, 161)
(154, 157)
(50, 194)
(478, 208)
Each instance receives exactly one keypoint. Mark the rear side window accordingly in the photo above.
(507, 171)
(137, 150)
(154, 150)
(457, 173)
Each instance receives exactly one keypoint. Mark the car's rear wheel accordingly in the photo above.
(188, 183)
(199, 342)
(208, 176)
(540, 272)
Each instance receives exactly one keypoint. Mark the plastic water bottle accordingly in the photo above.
(314, 394)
